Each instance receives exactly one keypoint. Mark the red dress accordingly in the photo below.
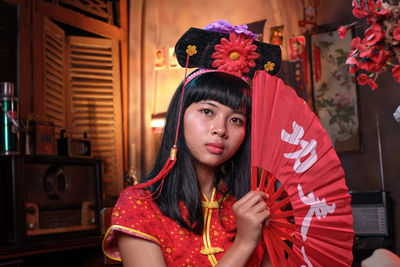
(138, 215)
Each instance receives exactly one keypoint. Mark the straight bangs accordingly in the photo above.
(224, 88)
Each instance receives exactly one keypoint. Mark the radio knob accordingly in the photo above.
(31, 226)
(31, 210)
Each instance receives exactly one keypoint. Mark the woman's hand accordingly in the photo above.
(251, 213)
(381, 257)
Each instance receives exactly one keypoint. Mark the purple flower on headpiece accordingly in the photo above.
(223, 26)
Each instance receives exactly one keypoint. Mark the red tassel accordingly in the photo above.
(165, 170)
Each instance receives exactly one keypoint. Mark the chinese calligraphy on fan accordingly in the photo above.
(318, 207)
(295, 138)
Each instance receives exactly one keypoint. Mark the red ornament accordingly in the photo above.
(235, 55)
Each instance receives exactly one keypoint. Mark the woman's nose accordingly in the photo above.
(220, 130)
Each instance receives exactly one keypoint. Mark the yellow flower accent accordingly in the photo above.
(269, 66)
(234, 56)
(191, 50)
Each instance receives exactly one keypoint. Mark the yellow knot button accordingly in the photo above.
(234, 56)
(211, 251)
(210, 204)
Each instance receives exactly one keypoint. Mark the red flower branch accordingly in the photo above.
(381, 42)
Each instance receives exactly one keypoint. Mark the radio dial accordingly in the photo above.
(31, 226)
(31, 210)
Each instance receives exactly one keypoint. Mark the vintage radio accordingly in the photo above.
(48, 195)
(371, 214)
(372, 223)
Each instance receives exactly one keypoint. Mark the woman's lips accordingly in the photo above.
(215, 148)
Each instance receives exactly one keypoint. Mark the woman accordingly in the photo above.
(201, 212)
(212, 167)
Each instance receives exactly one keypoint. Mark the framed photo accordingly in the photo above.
(297, 46)
(172, 60)
(335, 90)
(159, 58)
(276, 35)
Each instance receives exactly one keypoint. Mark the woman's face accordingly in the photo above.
(213, 132)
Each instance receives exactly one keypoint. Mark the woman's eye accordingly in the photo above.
(237, 121)
(206, 111)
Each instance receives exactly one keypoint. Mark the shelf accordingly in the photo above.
(47, 245)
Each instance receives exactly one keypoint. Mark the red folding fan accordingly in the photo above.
(294, 162)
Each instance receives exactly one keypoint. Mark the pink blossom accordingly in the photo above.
(343, 101)
(374, 34)
(396, 73)
(352, 61)
(363, 79)
(342, 30)
(396, 32)
(359, 9)
(353, 69)
(367, 52)
(376, 8)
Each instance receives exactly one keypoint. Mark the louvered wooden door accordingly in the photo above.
(82, 94)
(54, 73)
(94, 102)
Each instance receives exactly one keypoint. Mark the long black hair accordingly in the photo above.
(181, 183)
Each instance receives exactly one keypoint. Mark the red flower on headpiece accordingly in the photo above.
(235, 55)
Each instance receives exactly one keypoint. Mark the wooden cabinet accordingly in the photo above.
(72, 67)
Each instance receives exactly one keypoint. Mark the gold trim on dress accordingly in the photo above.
(116, 227)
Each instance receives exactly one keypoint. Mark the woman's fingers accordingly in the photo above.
(250, 195)
(251, 199)
(260, 206)
(253, 206)
(251, 213)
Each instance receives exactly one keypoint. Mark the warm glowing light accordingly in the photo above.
(157, 123)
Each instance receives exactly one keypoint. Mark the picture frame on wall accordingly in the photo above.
(276, 35)
(296, 48)
(334, 89)
(159, 58)
(172, 60)
(257, 27)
